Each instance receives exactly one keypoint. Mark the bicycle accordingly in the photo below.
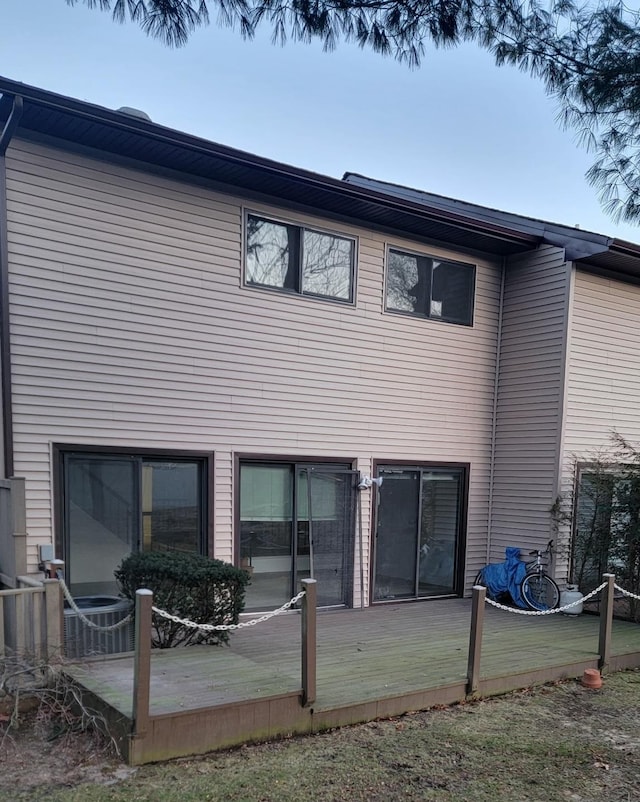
(538, 590)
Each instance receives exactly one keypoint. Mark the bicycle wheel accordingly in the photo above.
(540, 592)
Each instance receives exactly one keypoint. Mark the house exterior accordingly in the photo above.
(208, 351)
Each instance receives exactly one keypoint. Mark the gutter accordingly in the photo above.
(8, 131)
(159, 133)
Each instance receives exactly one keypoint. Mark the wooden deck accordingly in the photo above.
(371, 663)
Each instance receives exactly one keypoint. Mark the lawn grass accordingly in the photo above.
(560, 742)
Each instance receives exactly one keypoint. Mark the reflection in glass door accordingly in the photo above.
(418, 533)
(116, 505)
(297, 521)
(326, 525)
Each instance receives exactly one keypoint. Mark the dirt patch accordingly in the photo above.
(39, 753)
(559, 743)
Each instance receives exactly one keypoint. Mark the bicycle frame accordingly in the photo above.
(537, 566)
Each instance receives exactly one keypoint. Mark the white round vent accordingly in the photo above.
(141, 115)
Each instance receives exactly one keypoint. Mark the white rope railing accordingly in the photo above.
(185, 622)
(562, 609)
(627, 593)
(87, 621)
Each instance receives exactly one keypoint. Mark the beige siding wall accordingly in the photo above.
(530, 399)
(130, 327)
(603, 380)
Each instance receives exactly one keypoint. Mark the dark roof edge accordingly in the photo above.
(578, 243)
(624, 247)
(177, 138)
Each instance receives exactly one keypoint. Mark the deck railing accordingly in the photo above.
(13, 531)
(31, 619)
(142, 655)
(143, 721)
(606, 590)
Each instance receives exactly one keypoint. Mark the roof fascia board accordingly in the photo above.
(243, 195)
(605, 272)
(626, 248)
(179, 139)
(579, 244)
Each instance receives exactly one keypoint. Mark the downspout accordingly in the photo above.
(5, 346)
(494, 417)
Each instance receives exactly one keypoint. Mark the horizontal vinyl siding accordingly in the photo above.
(530, 398)
(130, 327)
(603, 381)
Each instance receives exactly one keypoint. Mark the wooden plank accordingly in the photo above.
(308, 628)
(21, 630)
(2, 641)
(35, 625)
(370, 663)
(21, 591)
(606, 621)
(142, 662)
(475, 638)
(54, 613)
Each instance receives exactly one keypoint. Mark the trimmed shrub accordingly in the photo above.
(187, 585)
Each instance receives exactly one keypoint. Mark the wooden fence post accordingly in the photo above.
(475, 638)
(19, 527)
(142, 662)
(309, 601)
(54, 618)
(606, 621)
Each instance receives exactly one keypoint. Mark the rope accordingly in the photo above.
(87, 621)
(226, 627)
(627, 592)
(517, 611)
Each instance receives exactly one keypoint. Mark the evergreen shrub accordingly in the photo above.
(191, 586)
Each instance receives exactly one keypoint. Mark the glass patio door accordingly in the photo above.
(297, 521)
(115, 505)
(326, 525)
(418, 547)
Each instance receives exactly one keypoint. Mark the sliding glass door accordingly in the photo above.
(419, 536)
(297, 521)
(117, 504)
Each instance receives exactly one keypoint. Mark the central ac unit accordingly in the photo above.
(81, 640)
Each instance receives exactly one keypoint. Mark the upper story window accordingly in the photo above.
(297, 259)
(430, 287)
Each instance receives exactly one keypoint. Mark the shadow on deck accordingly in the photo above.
(373, 663)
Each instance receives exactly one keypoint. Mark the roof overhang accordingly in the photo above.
(79, 125)
(621, 260)
(74, 123)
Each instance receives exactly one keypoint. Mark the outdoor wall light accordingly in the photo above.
(366, 482)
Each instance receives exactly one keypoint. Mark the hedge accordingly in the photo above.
(188, 585)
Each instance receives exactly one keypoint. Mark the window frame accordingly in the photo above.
(427, 315)
(206, 458)
(586, 468)
(293, 460)
(463, 512)
(301, 228)
(294, 463)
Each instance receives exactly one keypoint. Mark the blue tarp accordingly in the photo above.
(506, 577)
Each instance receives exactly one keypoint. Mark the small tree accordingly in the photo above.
(586, 55)
(190, 586)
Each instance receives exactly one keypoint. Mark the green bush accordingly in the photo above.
(187, 585)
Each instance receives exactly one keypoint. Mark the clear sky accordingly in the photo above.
(458, 126)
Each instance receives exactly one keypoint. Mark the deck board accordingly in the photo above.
(363, 656)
